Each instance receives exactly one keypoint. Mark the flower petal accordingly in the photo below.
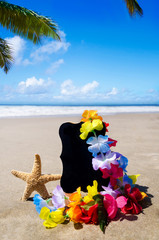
(102, 139)
(110, 206)
(134, 178)
(44, 213)
(121, 201)
(97, 124)
(143, 196)
(92, 140)
(113, 142)
(94, 149)
(110, 191)
(123, 162)
(58, 198)
(40, 203)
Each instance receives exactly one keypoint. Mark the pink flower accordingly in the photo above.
(121, 201)
(111, 204)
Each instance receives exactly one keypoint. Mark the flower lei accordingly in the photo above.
(96, 207)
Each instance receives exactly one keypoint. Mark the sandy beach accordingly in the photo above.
(21, 138)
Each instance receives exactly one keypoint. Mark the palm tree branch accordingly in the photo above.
(133, 7)
(6, 58)
(27, 23)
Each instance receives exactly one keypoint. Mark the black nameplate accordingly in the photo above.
(77, 160)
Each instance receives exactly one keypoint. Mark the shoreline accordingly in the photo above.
(74, 115)
(65, 111)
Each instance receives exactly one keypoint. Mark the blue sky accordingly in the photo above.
(105, 56)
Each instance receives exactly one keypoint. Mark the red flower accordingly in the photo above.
(114, 173)
(112, 144)
(133, 197)
(90, 216)
(106, 125)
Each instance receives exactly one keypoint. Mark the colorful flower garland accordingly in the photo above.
(96, 207)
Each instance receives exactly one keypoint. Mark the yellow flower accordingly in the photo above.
(97, 124)
(89, 115)
(92, 191)
(87, 127)
(44, 213)
(52, 218)
(134, 177)
(143, 196)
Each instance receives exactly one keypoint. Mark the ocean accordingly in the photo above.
(8, 111)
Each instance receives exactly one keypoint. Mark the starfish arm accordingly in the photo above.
(27, 192)
(41, 189)
(21, 175)
(49, 177)
(36, 170)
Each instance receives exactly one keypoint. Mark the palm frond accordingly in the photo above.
(133, 7)
(27, 23)
(6, 58)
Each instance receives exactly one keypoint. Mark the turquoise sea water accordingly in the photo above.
(47, 110)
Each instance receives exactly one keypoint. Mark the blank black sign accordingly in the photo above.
(77, 160)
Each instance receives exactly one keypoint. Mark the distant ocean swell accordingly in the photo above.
(32, 111)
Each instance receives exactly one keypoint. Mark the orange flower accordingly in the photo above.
(75, 198)
(89, 115)
(75, 213)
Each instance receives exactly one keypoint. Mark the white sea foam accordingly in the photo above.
(31, 111)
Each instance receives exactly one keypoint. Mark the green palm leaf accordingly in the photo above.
(26, 23)
(133, 7)
(5, 55)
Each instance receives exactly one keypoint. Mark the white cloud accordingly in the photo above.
(50, 48)
(34, 86)
(54, 66)
(62, 35)
(69, 89)
(17, 45)
(40, 54)
(27, 62)
(114, 91)
(89, 87)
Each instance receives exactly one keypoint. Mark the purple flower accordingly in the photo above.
(58, 198)
(109, 190)
(103, 161)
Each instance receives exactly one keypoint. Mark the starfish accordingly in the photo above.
(35, 180)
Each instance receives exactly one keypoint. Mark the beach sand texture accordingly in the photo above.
(21, 138)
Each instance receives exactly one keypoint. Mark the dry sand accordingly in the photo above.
(20, 139)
